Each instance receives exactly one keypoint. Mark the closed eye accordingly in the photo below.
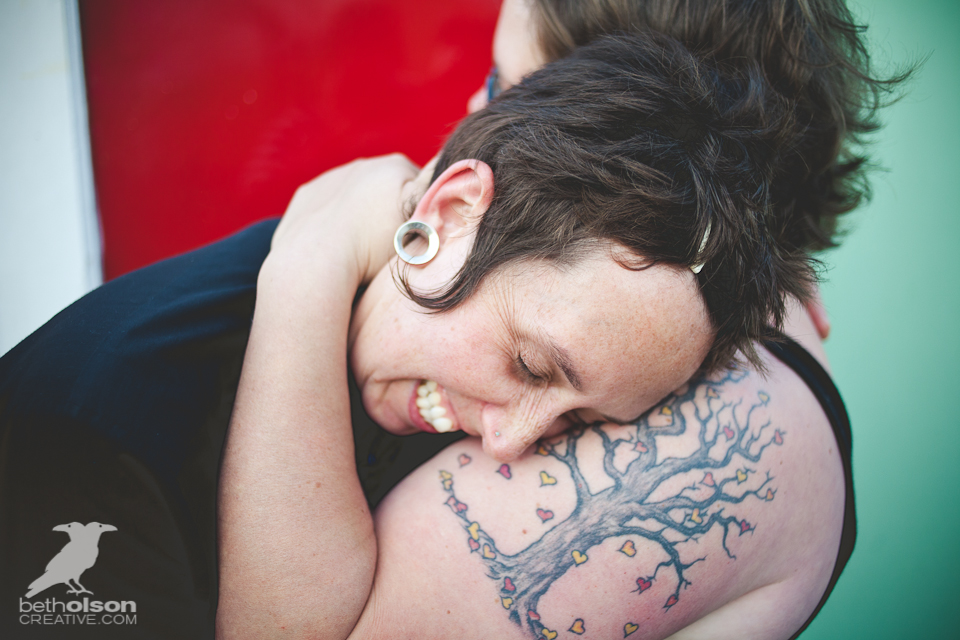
(526, 372)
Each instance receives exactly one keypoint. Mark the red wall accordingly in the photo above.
(205, 115)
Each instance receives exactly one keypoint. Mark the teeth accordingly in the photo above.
(428, 402)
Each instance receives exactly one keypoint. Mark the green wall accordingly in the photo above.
(893, 293)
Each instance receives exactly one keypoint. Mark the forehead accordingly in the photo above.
(634, 336)
(516, 50)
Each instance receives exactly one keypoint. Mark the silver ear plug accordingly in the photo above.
(422, 228)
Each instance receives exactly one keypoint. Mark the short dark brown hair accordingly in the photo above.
(634, 141)
(810, 51)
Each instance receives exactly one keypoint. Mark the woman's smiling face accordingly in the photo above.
(538, 347)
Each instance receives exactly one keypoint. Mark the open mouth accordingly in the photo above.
(428, 408)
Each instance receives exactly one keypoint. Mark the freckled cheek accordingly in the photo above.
(470, 360)
(478, 387)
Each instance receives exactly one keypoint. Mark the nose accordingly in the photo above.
(509, 431)
(478, 100)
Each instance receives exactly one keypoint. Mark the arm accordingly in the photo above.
(296, 549)
(700, 511)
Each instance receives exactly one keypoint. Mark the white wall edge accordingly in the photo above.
(50, 246)
(92, 230)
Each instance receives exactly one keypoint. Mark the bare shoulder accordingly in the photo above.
(722, 505)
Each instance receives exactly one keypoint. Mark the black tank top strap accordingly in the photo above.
(821, 384)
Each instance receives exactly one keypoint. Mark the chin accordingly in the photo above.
(394, 427)
(386, 419)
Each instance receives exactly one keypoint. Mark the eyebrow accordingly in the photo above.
(562, 358)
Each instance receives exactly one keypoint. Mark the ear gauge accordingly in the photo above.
(420, 228)
(703, 243)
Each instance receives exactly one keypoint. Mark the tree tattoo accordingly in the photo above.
(728, 435)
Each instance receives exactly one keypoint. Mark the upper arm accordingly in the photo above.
(612, 531)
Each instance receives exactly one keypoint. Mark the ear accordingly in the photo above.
(457, 199)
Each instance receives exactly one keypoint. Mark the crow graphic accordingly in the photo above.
(76, 557)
